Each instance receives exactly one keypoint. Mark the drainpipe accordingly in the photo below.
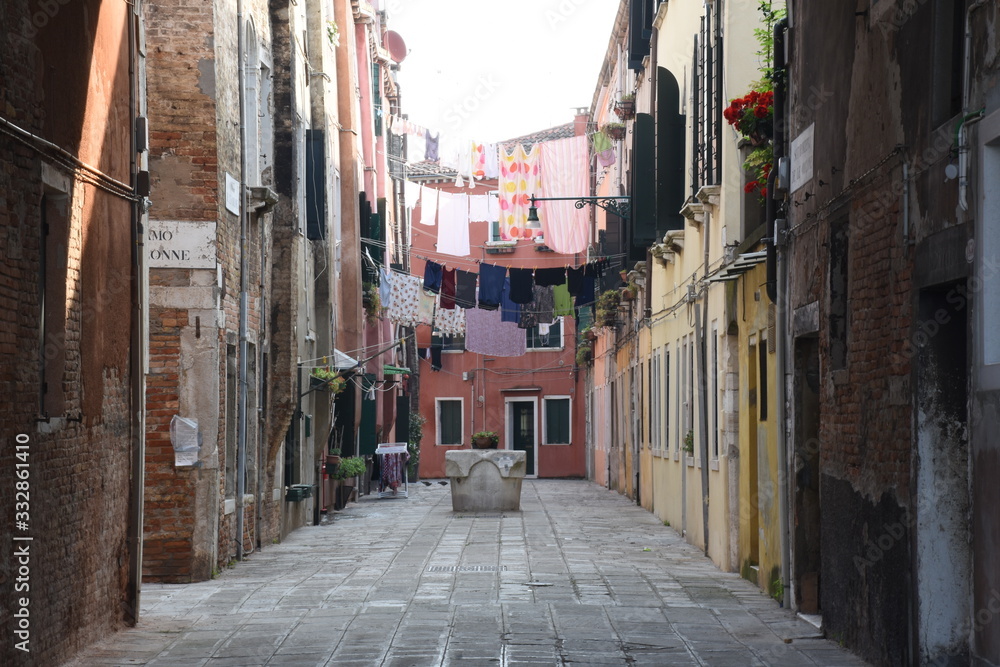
(968, 118)
(776, 268)
(137, 356)
(241, 419)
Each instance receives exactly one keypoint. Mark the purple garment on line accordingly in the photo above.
(485, 333)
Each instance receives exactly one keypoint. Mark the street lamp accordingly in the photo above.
(620, 206)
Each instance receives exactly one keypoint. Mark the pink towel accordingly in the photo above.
(564, 166)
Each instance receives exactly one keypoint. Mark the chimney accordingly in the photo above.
(581, 121)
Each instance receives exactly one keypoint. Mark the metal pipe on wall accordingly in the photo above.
(241, 418)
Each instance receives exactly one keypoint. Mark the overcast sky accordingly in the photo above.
(489, 70)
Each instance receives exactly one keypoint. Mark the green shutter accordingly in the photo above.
(643, 185)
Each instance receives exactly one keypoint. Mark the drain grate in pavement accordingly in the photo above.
(467, 568)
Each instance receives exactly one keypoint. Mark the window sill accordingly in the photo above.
(713, 464)
(500, 250)
(557, 444)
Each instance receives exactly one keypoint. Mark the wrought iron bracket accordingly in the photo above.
(620, 205)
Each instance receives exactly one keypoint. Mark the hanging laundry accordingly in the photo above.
(431, 146)
(486, 333)
(405, 299)
(551, 276)
(509, 311)
(519, 180)
(396, 126)
(574, 280)
(436, 356)
(479, 208)
(564, 165)
(425, 308)
(603, 148)
(448, 289)
(428, 206)
(453, 224)
(393, 471)
(562, 302)
(384, 286)
(491, 166)
(491, 277)
(465, 289)
(411, 193)
(448, 152)
(416, 145)
(521, 282)
(432, 277)
(450, 322)
(540, 310)
(591, 272)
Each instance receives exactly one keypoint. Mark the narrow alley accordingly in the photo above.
(580, 576)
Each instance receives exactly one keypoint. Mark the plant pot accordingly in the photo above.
(484, 443)
(615, 134)
(590, 335)
(625, 109)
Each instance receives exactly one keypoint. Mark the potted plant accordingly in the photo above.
(328, 378)
(485, 440)
(625, 106)
(332, 462)
(416, 434)
(615, 131)
(589, 333)
(629, 292)
(350, 468)
(606, 308)
(583, 354)
(372, 301)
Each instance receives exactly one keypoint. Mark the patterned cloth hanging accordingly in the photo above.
(520, 178)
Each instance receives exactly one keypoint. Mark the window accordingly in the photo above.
(450, 421)
(556, 416)
(706, 100)
(656, 407)
(53, 289)
(839, 291)
(546, 336)
(713, 370)
(666, 397)
(231, 419)
(762, 378)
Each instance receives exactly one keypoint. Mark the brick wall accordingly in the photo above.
(80, 459)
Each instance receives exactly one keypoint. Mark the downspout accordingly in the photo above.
(968, 118)
(241, 419)
(137, 356)
(779, 300)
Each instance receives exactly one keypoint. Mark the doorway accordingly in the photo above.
(943, 563)
(806, 465)
(522, 429)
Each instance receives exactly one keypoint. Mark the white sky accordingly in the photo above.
(490, 70)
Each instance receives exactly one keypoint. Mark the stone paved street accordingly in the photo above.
(580, 577)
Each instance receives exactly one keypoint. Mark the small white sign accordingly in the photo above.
(232, 195)
(180, 245)
(802, 158)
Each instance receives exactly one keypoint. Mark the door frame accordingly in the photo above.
(509, 432)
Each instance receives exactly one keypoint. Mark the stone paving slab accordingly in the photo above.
(580, 576)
